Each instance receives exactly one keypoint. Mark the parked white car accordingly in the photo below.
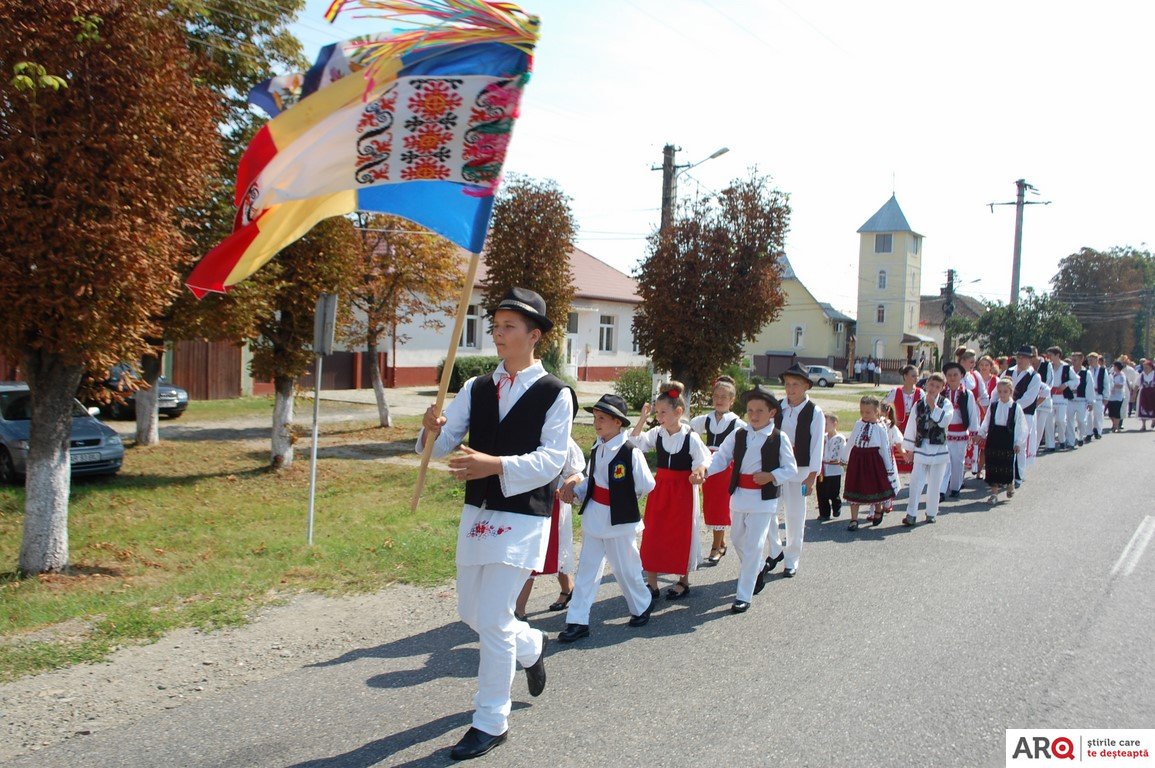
(823, 376)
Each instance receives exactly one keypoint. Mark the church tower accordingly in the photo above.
(889, 282)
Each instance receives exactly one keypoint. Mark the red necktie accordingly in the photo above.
(505, 379)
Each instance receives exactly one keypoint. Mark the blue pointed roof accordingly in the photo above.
(889, 218)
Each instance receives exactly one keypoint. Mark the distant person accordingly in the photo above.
(870, 370)
(1097, 392)
(1116, 396)
(858, 369)
(1146, 397)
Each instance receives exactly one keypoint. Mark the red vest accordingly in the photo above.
(900, 413)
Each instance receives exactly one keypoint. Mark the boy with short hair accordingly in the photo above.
(926, 438)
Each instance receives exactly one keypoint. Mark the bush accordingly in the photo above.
(465, 368)
(634, 385)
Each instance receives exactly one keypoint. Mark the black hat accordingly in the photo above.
(796, 370)
(1026, 351)
(613, 405)
(760, 392)
(951, 366)
(529, 303)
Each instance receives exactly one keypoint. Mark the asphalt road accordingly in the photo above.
(892, 647)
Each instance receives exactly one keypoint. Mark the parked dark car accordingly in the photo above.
(96, 449)
(172, 401)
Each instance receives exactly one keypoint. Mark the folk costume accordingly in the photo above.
(926, 437)
(1097, 396)
(714, 429)
(611, 521)
(963, 426)
(1146, 399)
(830, 481)
(559, 556)
(1117, 394)
(753, 506)
(1004, 427)
(870, 473)
(903, 403)
(1079, 405)
(895, 436)
(805, 425)
(673, 509)
(977, 388)
(1027, 388)
(1045, 412)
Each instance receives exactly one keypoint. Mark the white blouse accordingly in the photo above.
(673, 443)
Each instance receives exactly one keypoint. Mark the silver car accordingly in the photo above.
(823, 376)
(95, 448)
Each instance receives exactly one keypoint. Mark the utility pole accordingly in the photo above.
(1020, 200)
(670, 171)
(947, 313)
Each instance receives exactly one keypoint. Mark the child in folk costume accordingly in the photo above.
(1005, 433)
(1097, 393)
(870, 473)
(763, 462)
(903, 399)
(1146, 400)
(962, 428)
(1028, 391)
(889, 421)
(559, 558)
(1079, 406)
(1045, 412)
(669, 542)
(518, 420)
(925, 437)
(801, 420)
(611, 521)
(1062, 382)
(973, 383)
(715, 428)
(830, 481)
(988, 372)
(1117, 396)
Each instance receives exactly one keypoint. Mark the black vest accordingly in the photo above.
(925, 429)
(770, 460)
(1067, 393)
(1021, 390)
(715, 439)
(681, 461)
(623, 497)
(518, 433)
(801, 436)
(1084, 379)
(1101, 377)
(1010, 427)
(1045, 365)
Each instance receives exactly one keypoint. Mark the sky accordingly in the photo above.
(842, 103)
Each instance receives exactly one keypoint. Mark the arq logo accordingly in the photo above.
(1041, 747)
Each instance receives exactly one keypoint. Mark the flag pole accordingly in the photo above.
(447, 371)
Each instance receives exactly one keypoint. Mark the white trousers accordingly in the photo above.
(626, 562)
(748, 532)
(793, 503)
(1097, 416)
(1064, 429)
(1045, 427)
(1032, 448)
(953, 479)
(1077, 420)
(486, 595)
(926, 477)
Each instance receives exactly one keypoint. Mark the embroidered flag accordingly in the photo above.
(422, 135)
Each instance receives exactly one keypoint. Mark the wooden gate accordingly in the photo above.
(208, 370)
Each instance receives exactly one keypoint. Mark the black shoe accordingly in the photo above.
(643, 618)
(475, 743)
(535, 673)
(931, 520)
(673, 594)
(823, 517)
(789, 572)
(655, 593)
(837, 512)
(1097, 435)
(771, 564)
(909, 520)
(760, 581)
(739, 606)
(953, 495)
(941, 498)
(573, 632)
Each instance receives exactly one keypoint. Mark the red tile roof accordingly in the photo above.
(592, 277)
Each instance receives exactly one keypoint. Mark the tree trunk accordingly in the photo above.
(283, 437)
(147, 414)
(383, 414)
(53, 384)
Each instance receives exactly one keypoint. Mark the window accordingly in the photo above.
(571, 325)
(634, 343)
(469, 332)
(917, 244)
(882, 280)
(798, 337)
(606, 332)
(882, 243)
(880, 317)
(839, 327)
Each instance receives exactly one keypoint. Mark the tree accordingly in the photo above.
(242, 42)
(713, 281)
(401, 271)
(530, 239)
(92, 180)
(1110, 292)
(284, 294)
(1038, 319)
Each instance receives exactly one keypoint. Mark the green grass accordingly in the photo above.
(255, 405)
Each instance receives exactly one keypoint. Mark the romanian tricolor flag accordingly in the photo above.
(414, 124)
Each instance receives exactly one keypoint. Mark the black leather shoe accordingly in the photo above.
(655, 593)
(759, 582)
(535, 673)
(643, 618)
(931, 520)
(475, 743)
(789, 572)
(909, 520)
(941, 498)
(573, 632)
(954, 494)
(771, 564)
(739, 606)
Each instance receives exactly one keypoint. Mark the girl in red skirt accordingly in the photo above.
(870, 475)
(672, 509)
(715, 428)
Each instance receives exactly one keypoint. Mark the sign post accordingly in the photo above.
(324, 330)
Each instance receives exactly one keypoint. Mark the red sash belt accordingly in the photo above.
(601, 495)
(747, 482)
(957, 428)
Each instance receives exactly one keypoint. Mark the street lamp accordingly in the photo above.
(670, 172)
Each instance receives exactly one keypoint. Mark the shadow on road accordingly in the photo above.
(376, 751)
